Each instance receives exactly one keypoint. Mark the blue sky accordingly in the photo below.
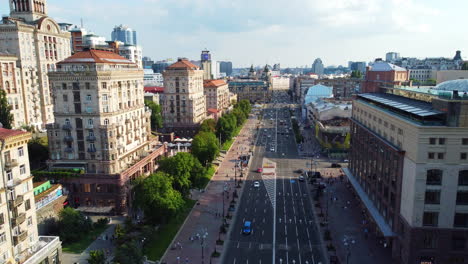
(292, 32)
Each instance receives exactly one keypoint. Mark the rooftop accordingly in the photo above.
(183, 64)
(454, 85)
(96, 56)
(385, 66)
(7, 133)
(214, 83)
(154, 89)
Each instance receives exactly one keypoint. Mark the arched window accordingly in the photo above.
(434, 177)
(106, 121)
(463, 178)
(67, 121)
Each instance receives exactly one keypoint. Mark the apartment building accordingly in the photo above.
(216, 94)
(383, 73)
(184, 100)
(19, 240)
(254, 90)
(38, 43)
(11, 84)
(101, 128)
(409, 167)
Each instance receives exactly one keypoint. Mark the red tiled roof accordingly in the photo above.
(213, 83)
(154, 89)
(183, 64)
(6, 133)
(96, 56)
(213, 110)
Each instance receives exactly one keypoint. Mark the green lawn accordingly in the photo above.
(79, 246)
(160, 240)
(209, 173)
(226, 145)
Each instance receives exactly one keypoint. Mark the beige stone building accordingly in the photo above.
(38, 43)
(409, 166)
(10, 82)
(102, 128)
(184, 102)
(216, 94)
(19, 240)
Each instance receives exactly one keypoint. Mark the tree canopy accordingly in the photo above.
(356, 74)
(184, 169)
(156, 116)
(465, 66)
(208, 125)
(205, 147)
(156, 196)
(6, 117)
(129, 253)
(73, 225)
(96, 257)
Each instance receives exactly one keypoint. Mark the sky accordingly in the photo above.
(293, 32)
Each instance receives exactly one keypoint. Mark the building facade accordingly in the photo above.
(20, 240)
(253, 90)
(216, 94)
(279, 83)
(102, 128)
(132, 53)
(383, 73)
(409, 167)
(184, 101)
(342, 87)
(392, 56)
(38, 43)
(421, 74)
(226, 67)
(11, 84)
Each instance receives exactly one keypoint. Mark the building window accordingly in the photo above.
(460, 220)
(20, 151)
(104, 85)
(90, 122)
(88, 97)
(22, 169)
(463, 178)
(429, 241)
(106, 121)
(87, 187)
(441, 141)
(104, 97)
(430, 218)
(440, 155)
(464, 141)
(432, 197)
(27, 205)
(432, 141)
(65, 98)
(463, 156)
(462, 198)
(400, 131)
(431, 155)
(30, 221)
(2, 219)
(87, 86)
(458, 242)
(434, 177)
(64, 86)
(2, 238)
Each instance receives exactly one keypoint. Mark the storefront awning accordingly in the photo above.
(378, 218)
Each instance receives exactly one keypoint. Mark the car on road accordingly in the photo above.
(335, 165)
(260, 170)
(272, 149)
(247, 229)
(298, 171)
(301, 178)
(256, 184)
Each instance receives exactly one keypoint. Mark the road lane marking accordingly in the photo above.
(297, 233)
(250, 244)
(263, 232)
(285, 230)
(234, 261)
(307, 229)
(238, 244)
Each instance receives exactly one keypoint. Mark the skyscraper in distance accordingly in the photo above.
(124, 34)
(317, 66)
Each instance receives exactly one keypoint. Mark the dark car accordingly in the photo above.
(335, 165)
(299, 171)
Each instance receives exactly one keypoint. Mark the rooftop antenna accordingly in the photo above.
(81, 22)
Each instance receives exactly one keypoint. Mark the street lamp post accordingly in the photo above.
(347, 241)
(205, 234)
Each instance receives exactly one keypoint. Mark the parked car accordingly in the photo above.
(256, 184)
(301, 178)
(247, 229)
(299, 171)
(335, 165)
(260, 170)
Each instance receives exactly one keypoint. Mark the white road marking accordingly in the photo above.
(285, 230)
(234, 261)
(297, 233)
(238, 244)
(307, 229)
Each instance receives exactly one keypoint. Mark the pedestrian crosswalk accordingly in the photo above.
(269, 179)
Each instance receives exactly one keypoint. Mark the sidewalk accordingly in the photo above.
(99, 243)
(347, 223)
(206, 216)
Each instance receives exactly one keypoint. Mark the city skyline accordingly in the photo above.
(258, 35)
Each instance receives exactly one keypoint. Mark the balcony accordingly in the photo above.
(68, 139)
(46, 246)
(11, 184)
(67, 127)
(69, 150)
(127, 121)
(11, 163)
(17, 201)
(91, 150)
(20, 237)
(90, 138)
(18, 219)
(89, 126)
(52, 126)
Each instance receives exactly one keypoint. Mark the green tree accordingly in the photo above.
(129, 253)
(156, 116)
(179, 169)
(73, 225)
(208, 125)
(157, 198)
(6, 117)
(225, 128)
(356, 74)
(205, 147)
(245, 107)
(240, 116)
(38, 153)
(96, 257)
(465, 66)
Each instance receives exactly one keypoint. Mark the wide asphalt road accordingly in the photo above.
(283, 224)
